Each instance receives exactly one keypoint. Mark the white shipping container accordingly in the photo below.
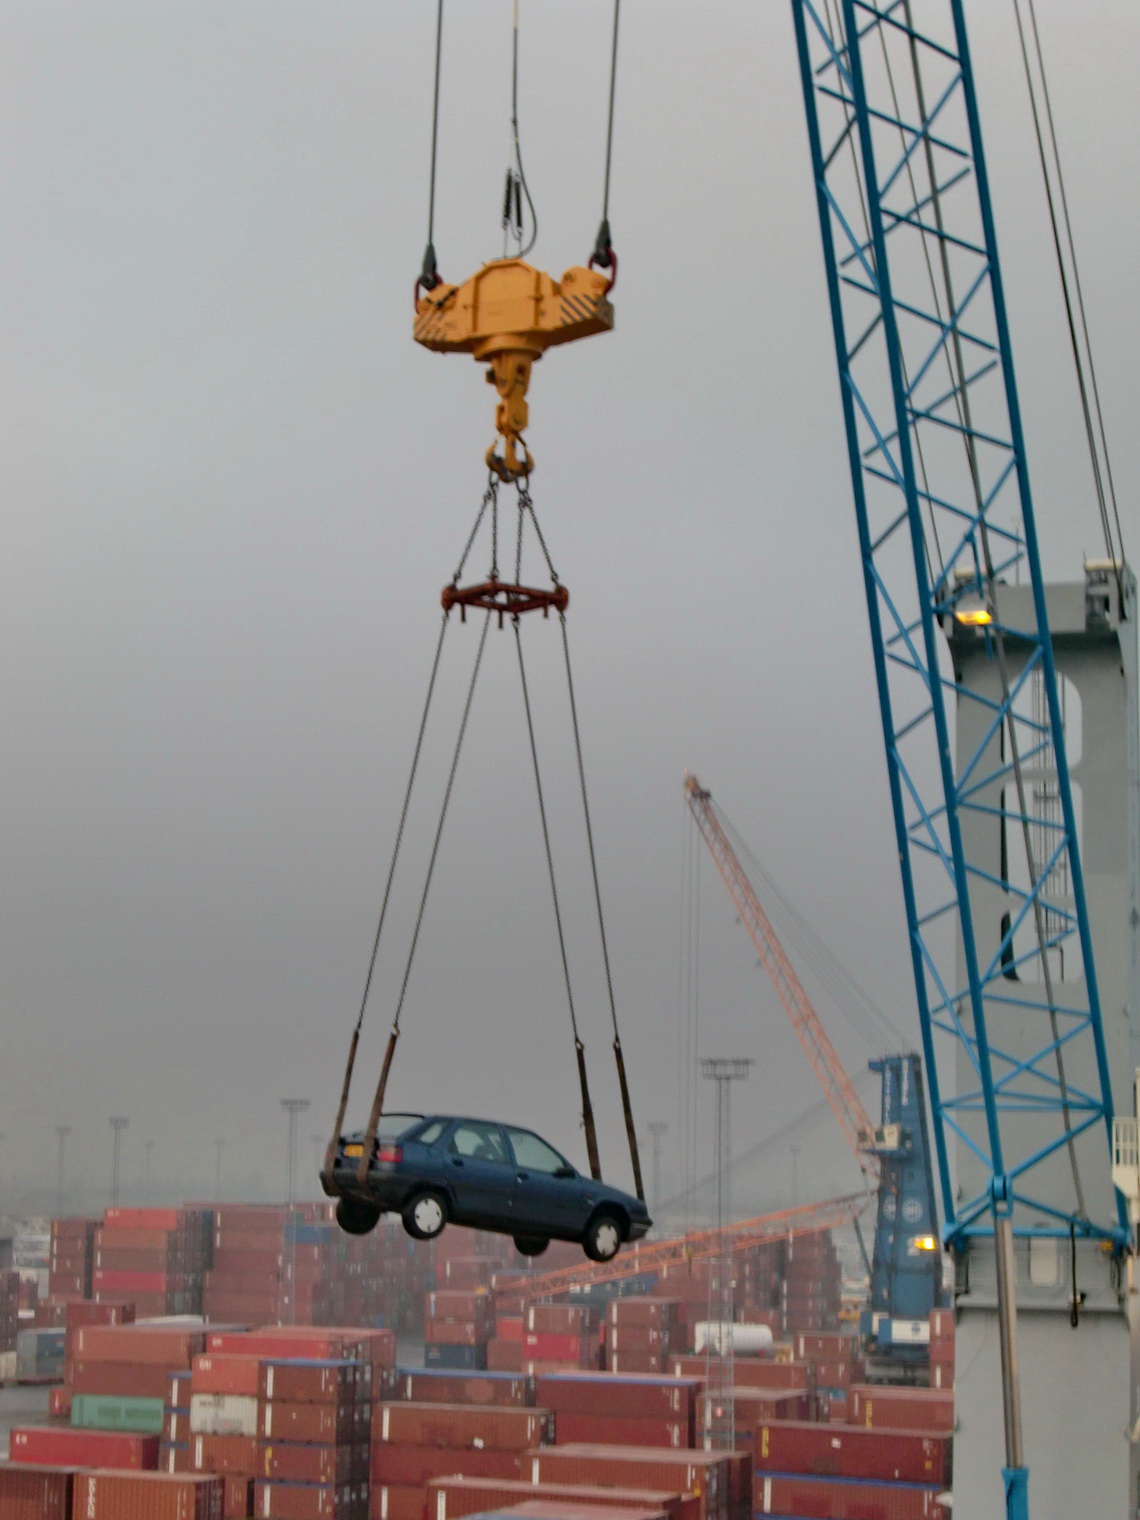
(741, 1337)
(7, 1366)
(223, 1414)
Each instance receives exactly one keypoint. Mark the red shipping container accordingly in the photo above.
(84, 1312)
(147, 1496)
(120, 1379)
(453, 1304)
(145, 1219)
(458, 1425)
(237, 1500)
(644, 1311)
(329, 1423)
(561, 1319)
(605, 1393)
(465, 1388)
(303, 1501)
(391, 1502)
(159, 1345)
(702, 1474)
(509, 1327)
(854, 1451)
(226, 1374)
(62, 1446)
(756, 1404)
(884, 1407)
(59, 1403)
(302, 1382)
(455, 1332)
(617, 1430)
(837, 1499)
(639, 1337)
(636, 1361)
(415, 1466)
(294, 1462)
(504, 1355)
(226, 1454)
(34, 1493)
(548, 1509)
(452, 1498)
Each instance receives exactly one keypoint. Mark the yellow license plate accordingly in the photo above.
(354, 1150)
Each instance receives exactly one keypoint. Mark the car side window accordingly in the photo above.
(534, 1153)
(431, 1132)
(480, 1142)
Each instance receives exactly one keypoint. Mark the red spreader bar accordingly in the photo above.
(506, 599)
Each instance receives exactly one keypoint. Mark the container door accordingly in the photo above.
(550, 1197)
(478, 1169)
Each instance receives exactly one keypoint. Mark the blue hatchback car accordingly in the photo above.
(432, 1169)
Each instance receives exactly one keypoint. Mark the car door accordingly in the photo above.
(550, 1196)
(480, 1173)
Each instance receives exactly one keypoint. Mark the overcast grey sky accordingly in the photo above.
(232, 488)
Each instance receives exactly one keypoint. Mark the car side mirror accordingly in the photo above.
(566, 1171)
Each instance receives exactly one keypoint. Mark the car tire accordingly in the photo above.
(530, 1245)
(356, 1217)
(603, 1237)
(425, 1214)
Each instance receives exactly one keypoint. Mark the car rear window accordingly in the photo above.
(392, 1126)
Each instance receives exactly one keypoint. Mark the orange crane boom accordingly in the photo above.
(652, 1255)
(837, 1086)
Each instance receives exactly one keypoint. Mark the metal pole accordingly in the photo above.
(657, 1128)
(720, 1400)
(1014, 1474)
(148, 1147)
(118, 1125)
(218, 1144)
(62, 1131)
(795, 1175)
(294, 1107)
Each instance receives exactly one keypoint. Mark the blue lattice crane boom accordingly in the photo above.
(947, 527)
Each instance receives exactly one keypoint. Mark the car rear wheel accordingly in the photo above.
(356, 1217)
(603, 1237)
(530, 1245)
(425, 1215)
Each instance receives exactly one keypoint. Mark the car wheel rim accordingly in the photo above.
(607, 1240)
(429, 1215)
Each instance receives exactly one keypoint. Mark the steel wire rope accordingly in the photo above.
(516, 175)
(526, 509)
(1099, 474)
(603, 245)
(579, 1047)
(378, 1101)
(429, 273)
(996, 631)
(816, 950)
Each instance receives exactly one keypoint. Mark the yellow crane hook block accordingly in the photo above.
(507, 315)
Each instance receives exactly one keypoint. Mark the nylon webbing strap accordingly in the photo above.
(377, 1108)
(588, 1114)
(338, 1127)
(627, 1110)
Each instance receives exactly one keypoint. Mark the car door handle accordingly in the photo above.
(457, 1160)
(524, 1176)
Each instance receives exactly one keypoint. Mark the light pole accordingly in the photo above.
(148, 1147)
(62, 1131)
(720, 1403)
(795, 1175)
(657, 1128)
(118, 1125)
(294, 1107)
(219, 1143)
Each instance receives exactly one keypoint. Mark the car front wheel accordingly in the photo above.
(355, 1217)
(530, 1245)
(603, 1237)
(425, 1215)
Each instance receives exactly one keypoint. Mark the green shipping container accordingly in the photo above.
(100, 1411)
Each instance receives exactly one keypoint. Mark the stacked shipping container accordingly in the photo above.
(154, 1257)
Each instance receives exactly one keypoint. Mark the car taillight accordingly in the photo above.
(390, 1153)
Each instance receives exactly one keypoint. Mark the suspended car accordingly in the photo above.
(432, 1170)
